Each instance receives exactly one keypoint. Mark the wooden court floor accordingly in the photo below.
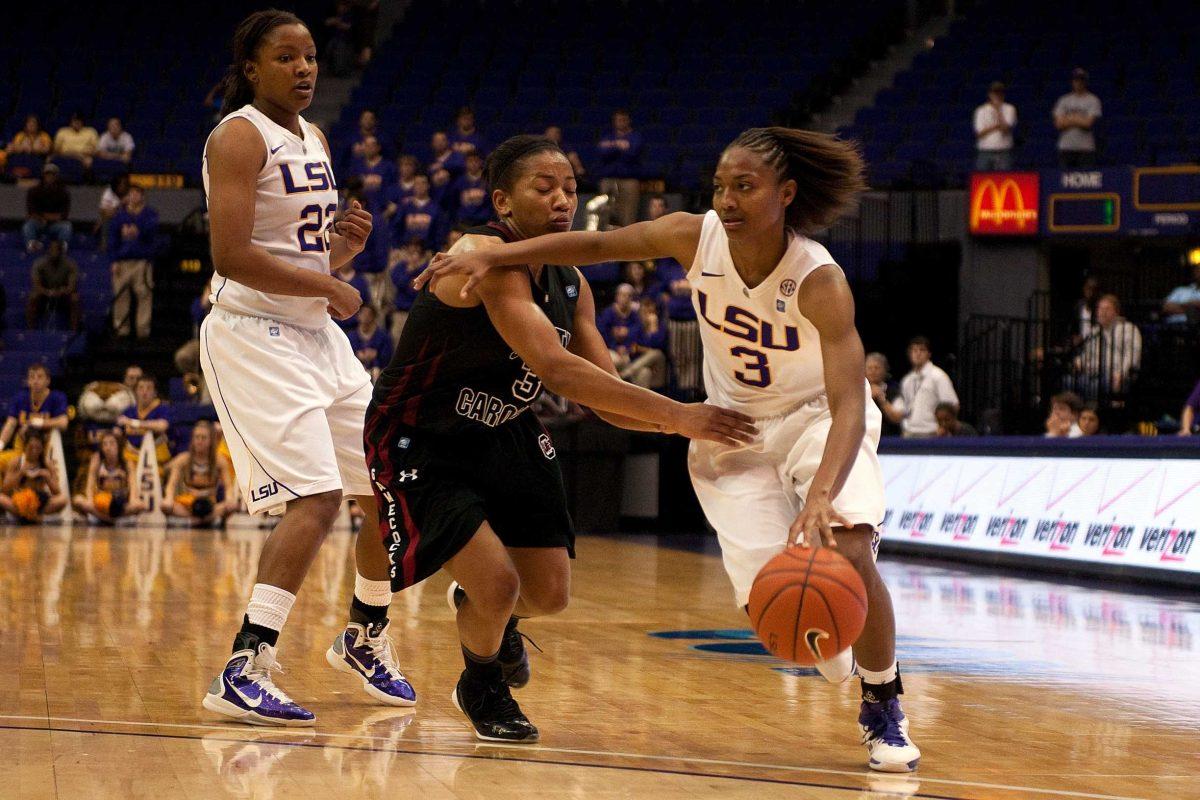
(648, 686)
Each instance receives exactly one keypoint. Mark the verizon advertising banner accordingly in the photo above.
(1128, 511)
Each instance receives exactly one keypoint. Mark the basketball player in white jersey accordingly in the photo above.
(777, 324)
(290, 393)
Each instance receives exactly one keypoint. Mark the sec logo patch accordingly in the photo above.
(787, 288)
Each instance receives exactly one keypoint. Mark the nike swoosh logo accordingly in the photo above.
(366, 674)
(275, 150)
(252, 702)
(712, 274)
(813, 638)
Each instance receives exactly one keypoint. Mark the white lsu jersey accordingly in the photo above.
(761, 356)
(294, 206)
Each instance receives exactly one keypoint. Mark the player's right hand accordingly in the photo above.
(473, 264)
(714, 424)
(345, 301)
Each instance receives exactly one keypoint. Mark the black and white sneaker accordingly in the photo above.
(513, 658)
(492, 711)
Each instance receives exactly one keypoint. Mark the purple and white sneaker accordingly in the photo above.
(367, 651)
(885, 733)
(244, 690)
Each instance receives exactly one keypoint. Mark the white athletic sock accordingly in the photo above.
(876, 678)
(269, 606)
(372, 593)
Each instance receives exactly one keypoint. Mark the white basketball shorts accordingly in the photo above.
(751, 494)
(292, 402)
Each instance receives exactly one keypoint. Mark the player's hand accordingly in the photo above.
(714, 424)
(345, 301)
(354, 227)
(473, 264)
(817, 519)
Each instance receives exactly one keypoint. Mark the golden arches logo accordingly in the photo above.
(997, 215)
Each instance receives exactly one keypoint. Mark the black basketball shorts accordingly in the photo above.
(435, 490)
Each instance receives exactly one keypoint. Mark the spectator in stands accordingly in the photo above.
(368, 125)
(147, 416)
(1075, 114)
(131, 233)
(199, 485)
(994, 123)
(47, 206)
(27, 150)
(338, 52)
(372, 344)
(77, 141)
(640, 275)
(37, 407)
(187, 357)
(466, 138)
(1089, 420)
(620, 167)
(1085, 307)
(116, 144)
(1063, 421)
(408, 263)
(883, 388)
(469, 193)
(419, 217)
(555, 134)
(31, 488)
(352, 276)
(366, 18)
(648, 366)
(683, 330)
(133, 374)
(1189, 418)
(1182, 305)
(406, 180)
(109, 490)
(110, 202)
(921, 390)
(377, 173)
(54, 284)
(621, 328)
(445, 158)
(948, 423)
(1112, 354)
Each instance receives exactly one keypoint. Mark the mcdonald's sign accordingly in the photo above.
(1004, 203)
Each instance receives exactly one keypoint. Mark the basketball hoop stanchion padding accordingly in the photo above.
(149, 483)
(55, 451)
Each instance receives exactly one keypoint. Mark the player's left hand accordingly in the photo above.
(354, 227)
(818, 517)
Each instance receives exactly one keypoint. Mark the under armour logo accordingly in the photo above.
(407, 475)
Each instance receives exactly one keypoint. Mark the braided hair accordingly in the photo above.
(501, 163)
(236, 89)
(828, 172)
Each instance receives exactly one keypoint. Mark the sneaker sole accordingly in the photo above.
(339, 663)
(219, 705)
(450, 596)
(899, 766)
(529, 740)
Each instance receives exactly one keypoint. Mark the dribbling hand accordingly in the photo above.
(354, 227)
(818, 517)
(714, 424)
(345, 301)
(473, 264)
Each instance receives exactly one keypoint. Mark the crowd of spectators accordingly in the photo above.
(88, 156)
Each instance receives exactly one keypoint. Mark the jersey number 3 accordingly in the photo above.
(313, 235)
(758, 371)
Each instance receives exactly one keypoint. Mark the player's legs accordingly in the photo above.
(875, 650)
(545, 574)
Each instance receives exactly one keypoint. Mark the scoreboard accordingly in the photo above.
(1125, 201)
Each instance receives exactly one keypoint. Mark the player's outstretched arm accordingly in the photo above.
(505, 295)
(670, 236)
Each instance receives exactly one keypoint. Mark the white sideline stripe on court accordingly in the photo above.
(571, 751)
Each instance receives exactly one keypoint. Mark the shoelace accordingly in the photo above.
(500, 702)
(887, 726)
(384, 652)
(260, 672)
(512, 643)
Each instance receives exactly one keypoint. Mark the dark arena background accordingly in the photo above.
(1032, 223)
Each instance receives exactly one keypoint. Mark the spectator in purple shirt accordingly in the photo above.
(621, 328)
(1191, 413)
(445, 158)
(675, 296)
(649, 364)
(620, 167)
(640, 275)
(371, 343)
(408, 262)
(377, 173)
(419, 217)
(131, 234)
(368, 125)
(466, 137)
(555, 134)
(469, 194)
(350, 275)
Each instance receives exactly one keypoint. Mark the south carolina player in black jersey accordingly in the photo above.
(777, 322)
(464, 474)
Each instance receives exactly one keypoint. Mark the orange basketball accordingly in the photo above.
(102, 501)
(28, 504)
(808, 605)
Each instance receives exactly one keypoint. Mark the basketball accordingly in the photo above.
(808, 605)
(103, 502)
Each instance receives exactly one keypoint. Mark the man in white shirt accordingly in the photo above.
(1109, 357)
(921, 391)
(1075, 115)
(994, 123)
(115, 143)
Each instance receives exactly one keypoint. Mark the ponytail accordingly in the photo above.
(828, 172)
(236, 89)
